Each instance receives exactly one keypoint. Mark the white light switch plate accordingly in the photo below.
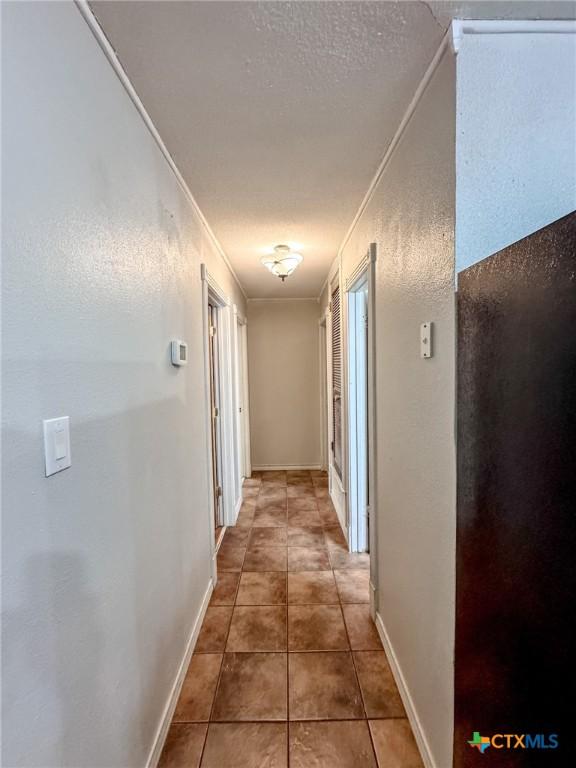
(426, 339)
(57, 444)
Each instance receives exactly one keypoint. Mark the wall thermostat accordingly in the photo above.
(179, 352)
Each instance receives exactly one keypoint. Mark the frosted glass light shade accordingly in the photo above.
(282, 262)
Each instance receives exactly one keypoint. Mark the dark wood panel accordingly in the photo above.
(516, 532)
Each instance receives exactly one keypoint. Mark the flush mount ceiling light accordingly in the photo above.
(282, 262)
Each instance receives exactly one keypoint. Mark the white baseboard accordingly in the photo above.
(421, 740)
(281, 467)
(373, 598)
(166, 719)
(238, 506)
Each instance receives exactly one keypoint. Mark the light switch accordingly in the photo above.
(426, 339)
(57, 444)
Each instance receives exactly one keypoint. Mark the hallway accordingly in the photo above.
(288, 402)
(288, 668)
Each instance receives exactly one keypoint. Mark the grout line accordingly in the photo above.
(358, 681)
(279, 722)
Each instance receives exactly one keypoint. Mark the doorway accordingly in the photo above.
(242, 400)
(220, 376)
(358, 468)
(215, 422)
(324, 448)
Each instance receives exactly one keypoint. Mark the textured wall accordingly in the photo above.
(411, 219)
(283, 363)
(106, 563)
(516, 145)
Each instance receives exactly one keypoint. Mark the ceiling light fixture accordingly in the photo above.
(282, 262)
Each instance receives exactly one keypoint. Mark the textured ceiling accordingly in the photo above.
(278, 113)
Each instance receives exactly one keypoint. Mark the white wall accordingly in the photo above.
(105, 564)
(411, 219)
(516, 138)
(283, 364)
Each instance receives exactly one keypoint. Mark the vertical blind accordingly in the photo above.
(336, 382)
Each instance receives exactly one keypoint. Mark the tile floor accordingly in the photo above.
(288, 669)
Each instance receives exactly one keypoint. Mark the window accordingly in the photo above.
(336, 382)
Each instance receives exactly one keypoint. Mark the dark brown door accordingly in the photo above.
(516, 524)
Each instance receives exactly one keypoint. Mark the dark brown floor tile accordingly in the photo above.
(305, 536)
(305, 517)
(361, 629)
(323, 686)
(379, 691)
(257, 628)
(262, 588)
(268, 536)
(270, 517)
(327, 513)
(316, 628)
(230, 558)
(305, 481)
(225, 590)
(320, 482)
(212, 637)
(245, 517)
(331, 745)
(394, 744)
(329, 520)
(246, 745)
(183, 747)
(319, 473)
(197, 694)
(271, 496)
(308, 559)
(353, 586)
(334, 538)
(250, 492)
(273, 474)
(236, 536)
(251, 482)
(307, 502)
(321, 493)
(252, 687)
(349, 561)
(265, 559)
(300, 492)
(298, 473)
(273, 485)
(312, 587)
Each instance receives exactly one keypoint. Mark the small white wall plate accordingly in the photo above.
(426, 339)
(179, 352)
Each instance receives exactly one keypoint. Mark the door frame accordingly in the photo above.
(357, 408)
(215, 420)
(323, 353)
(213, 293)
(242, 398)
(336, 483)
(367, 266)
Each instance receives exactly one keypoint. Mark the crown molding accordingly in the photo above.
(452, 41)
(282, 298)
(106, 47)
